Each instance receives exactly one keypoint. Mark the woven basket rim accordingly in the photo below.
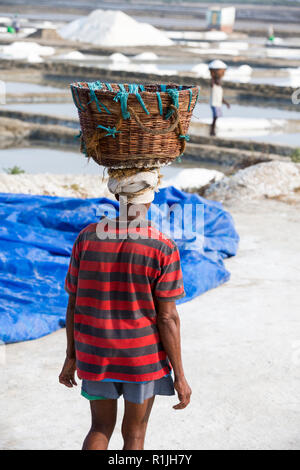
(174, 86)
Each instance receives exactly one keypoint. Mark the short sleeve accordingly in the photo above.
(72, 274)
(169, 285)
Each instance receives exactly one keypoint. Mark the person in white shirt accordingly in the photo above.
(217, 69)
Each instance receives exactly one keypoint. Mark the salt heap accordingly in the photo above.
(72, 55)
(113, 28)
(268, 179)
(240, 74)
(25, 50)
(146, 56)
(201, 70)
(189, 177)
(120, 58)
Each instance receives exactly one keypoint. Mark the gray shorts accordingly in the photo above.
(216, 111)
(133, 392)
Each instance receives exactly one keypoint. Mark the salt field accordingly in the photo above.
(238, 164)
(268, 124)
(202, 110)
(163, 65)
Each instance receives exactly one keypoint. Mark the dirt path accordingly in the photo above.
(241, 354)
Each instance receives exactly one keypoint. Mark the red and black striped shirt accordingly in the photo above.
(116, 281)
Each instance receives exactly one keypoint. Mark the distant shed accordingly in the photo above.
(221, 19)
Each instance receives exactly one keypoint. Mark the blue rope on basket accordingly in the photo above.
(122, 97)
(159, 103)
(109, 87)
(174, 94)
(135, 90)
(76, 99)
(93, 86)
(191, 96)
(185, 137)
(111, 131)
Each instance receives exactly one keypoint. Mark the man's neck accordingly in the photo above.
(131, 212)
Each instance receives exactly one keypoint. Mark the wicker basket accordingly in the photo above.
(124, 126)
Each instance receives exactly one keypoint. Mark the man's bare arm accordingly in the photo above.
(70, 327)
(226, 103)
(168, 324)
(67, 375)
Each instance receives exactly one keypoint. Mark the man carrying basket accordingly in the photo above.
(123, 329)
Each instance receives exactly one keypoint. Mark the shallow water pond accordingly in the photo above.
(23, 87)
(241, 116)
(58, 161)
(47, 160)
(293, 140)
(67, 110)
(202, 110)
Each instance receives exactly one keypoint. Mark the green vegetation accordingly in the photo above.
(73, 186)
(295, 156)
(15, 170)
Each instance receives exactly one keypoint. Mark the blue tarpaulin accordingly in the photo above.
(36, 238)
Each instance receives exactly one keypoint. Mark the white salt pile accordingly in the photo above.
(240, 74)
(55, 185)
(119, 58)
(113, 28)
(34, 59)
(149, 68)
(215, 35)
(30, 51)
(241, 46)
(145, 56)
(245, 69)
(189, 177)
(201, 70)
(93, 185)
(72, 55)
(270, 179)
